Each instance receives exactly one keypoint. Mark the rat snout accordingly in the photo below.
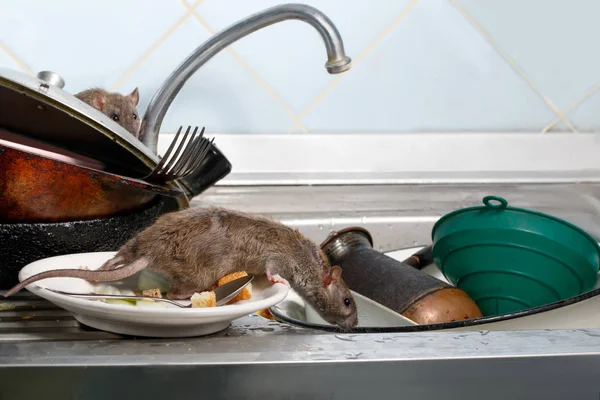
(354, 321)
(349, 322)
(345, 322)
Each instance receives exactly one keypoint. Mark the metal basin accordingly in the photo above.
(402, 216)
(577, 312)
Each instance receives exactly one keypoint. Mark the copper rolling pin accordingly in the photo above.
(397, 285)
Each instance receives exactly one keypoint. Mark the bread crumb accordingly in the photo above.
(244, 294)
(152, 293)
(231, 277)
(266, 314)
(204, 299)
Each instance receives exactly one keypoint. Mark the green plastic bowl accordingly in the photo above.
(511, 259)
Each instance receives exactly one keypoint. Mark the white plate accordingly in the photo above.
(370, 313)
(164, 321)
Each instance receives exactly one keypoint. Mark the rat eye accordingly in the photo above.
(347, 302)
(134, 116)
(115, 117)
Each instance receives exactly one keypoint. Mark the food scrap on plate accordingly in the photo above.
(244, 294)
(152, 293)
(266, 314)
(202, 299)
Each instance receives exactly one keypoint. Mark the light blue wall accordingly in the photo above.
(420, 66)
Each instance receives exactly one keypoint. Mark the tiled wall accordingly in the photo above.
(419, 65)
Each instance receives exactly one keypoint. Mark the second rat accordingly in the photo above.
(119, 108)
(193, 248)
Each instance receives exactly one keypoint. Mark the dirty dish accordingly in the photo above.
(370, 313)
(35, 188)
(37, 147)
(397, 286)
(160, 320)
(511, 259)
(580, 312)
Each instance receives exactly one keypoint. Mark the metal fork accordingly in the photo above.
(223, 293)
(96, 296)
(184, 160)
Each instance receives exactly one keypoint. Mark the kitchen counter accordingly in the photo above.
(43, 345)
(45, 353)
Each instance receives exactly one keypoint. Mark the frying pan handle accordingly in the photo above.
(214, 168)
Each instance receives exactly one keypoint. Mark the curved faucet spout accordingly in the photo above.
(337, 60)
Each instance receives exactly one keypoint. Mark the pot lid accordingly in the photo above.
(39, 107)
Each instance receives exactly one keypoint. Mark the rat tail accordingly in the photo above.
(104, 275)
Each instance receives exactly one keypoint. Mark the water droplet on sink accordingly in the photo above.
(321, 227)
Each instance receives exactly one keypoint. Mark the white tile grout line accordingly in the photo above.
(576, 103)
(4, 48)
(355, 62)
(513, 65)
(248, 69)
(156, 44)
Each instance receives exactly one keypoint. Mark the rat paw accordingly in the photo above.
(277, 279)
(178, 296)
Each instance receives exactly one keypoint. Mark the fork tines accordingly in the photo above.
(185, 160)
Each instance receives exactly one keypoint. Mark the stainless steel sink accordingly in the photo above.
(396, 186)
(45, 345)
(401, 216)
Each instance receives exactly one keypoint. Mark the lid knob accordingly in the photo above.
(52, 78)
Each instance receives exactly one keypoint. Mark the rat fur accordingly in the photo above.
(193, 248)
(121, 109)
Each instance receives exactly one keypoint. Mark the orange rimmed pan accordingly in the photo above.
(41, 185)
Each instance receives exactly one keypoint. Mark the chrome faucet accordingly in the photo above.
(337, 60)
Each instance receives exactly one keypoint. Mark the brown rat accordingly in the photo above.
(193, 248)
(121, 109)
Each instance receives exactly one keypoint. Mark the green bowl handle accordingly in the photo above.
(495, 202)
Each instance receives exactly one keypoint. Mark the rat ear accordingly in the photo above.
(135, 96)
(332, 276)
(98, 100)
(336, 273)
